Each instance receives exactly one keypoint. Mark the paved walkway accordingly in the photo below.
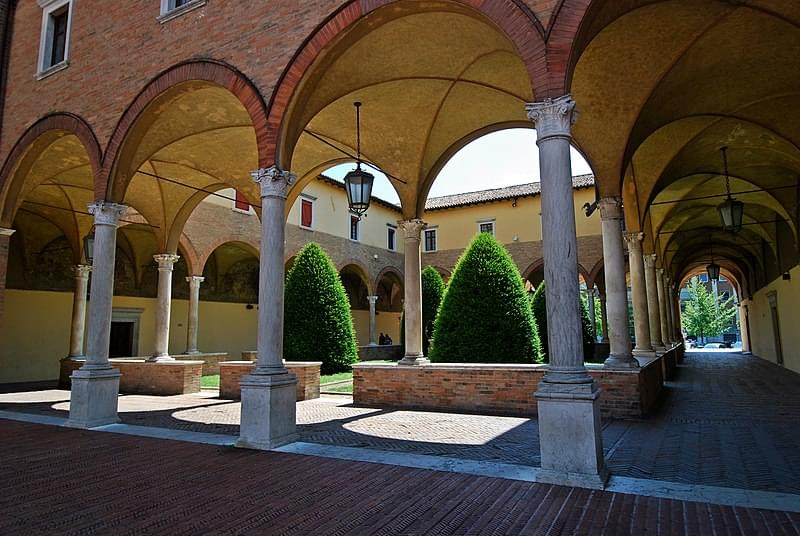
(730, 420)
(70, 482)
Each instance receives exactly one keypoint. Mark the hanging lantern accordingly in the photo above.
(88, 247)
(358, 183)
(713, 271)
(731, 211)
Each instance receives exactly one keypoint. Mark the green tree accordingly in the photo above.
(539, 305)
(702, 317)
(432, 292)
(317, 321)
(485, 315)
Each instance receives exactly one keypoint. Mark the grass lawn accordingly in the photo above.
(338, 377)
(210, 381)
(347, 388)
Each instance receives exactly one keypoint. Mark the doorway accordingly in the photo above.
(124, 339)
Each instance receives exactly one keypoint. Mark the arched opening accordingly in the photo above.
(231, 274)
(389, 305)
(356, 285)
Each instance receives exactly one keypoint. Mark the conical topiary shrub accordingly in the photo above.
(485, 316)
(317, 323)
(539, 304)
(432, 292)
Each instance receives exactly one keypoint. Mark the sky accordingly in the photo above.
(503, 158)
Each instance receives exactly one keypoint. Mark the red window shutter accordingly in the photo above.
(305, 215)
(241, 202)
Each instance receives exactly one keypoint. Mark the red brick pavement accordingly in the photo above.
(61, 481)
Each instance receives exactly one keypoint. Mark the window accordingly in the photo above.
(391, 233)
(486, 227)
(430, 240)
(175, 8)
(241, 203)
(54, 42)
(353, 227)
(306, 213)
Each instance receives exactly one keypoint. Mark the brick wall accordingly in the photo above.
(141, 378)
(210, 361)
(496, 389)
(231, 372)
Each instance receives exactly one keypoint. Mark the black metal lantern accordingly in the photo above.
(731, 211)
(358, 183)
(88, 247)
(713, 267)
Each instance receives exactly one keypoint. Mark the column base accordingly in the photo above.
(160, 359)
(621, 362)
(414, 360)
(570, 438)
(94, 398)
(644, 353)
(268, 411)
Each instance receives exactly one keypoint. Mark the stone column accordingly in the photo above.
(652, 303)
(668, 306)
(5, 238)
(662, 308)
(620, 355)
(590, 309)
(81, 272)
(641, 317)
(163, 306)
(569, 414)
(603, 318)
(373, 340)
(95, 386)
(268, 393)
(194, 313)
(412, 305)
(676, 315)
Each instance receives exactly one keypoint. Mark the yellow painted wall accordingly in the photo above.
(457, 226)
(331, 216)
(761, 332)
(384, 322)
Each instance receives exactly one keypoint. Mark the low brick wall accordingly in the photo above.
(142, 378)
(307, 372)
(211, 361)
(391, 352)
(497, 389)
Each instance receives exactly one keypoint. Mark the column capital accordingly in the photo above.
(610, 208)
(650, 261)
(7, 232)
(412, 228)
(274, 182)
(372, 300)
(166, 261)
(81, 271)
(106, 213)
(660, 272)
(634, 240)
(553, 117)
(195, 280)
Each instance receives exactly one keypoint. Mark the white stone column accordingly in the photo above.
(268, 393)
(670, 312)
(676, 315)
(95, 386)
(652, 303)
(5, 238)
(193, 319)
(662, 308)
(412, 305)
(373, 340)
(568, 408)
(603, 318)
(641, 317)
(590, 309)
(81, 272)
(620, 354)
(165, 262)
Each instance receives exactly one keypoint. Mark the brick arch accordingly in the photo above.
(186, 247)
(389, 270)
(209, 250)
(562, 52)
(51, 123)
(535, 265)
(512, 17)
(595, 273)
(361, 270)
(213, 71)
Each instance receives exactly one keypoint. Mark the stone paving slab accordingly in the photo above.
(69, 482)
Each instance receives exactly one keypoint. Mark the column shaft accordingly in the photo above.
(193, 320)
(652, 302)
(641, 317)
(620, 355)
(5, 238)
(163, 306)
(412, 305)
(662, 308)
(81, 272)
(590, 308)
(373, 340)
(669, 308)
(603, 318)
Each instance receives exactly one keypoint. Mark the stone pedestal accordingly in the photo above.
(412, 305)
(268, 411)
(568, 407)
(94, 398)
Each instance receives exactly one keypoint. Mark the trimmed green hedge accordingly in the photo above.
(539, 305)
(432, 293)
(317, 323)
(485, 316)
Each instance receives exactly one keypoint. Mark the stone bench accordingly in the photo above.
(140, 377)
(307, 372)
(212, 360)
(497, 388)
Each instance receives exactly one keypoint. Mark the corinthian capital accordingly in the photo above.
(166, 261)
(81, 271)
(553, 117)
(610, 208)
(634, 240)
(274, 181)
(106, 213)
(412, 228)
(650, 261)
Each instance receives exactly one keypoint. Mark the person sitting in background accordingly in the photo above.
(387, 339)
(382, 339)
